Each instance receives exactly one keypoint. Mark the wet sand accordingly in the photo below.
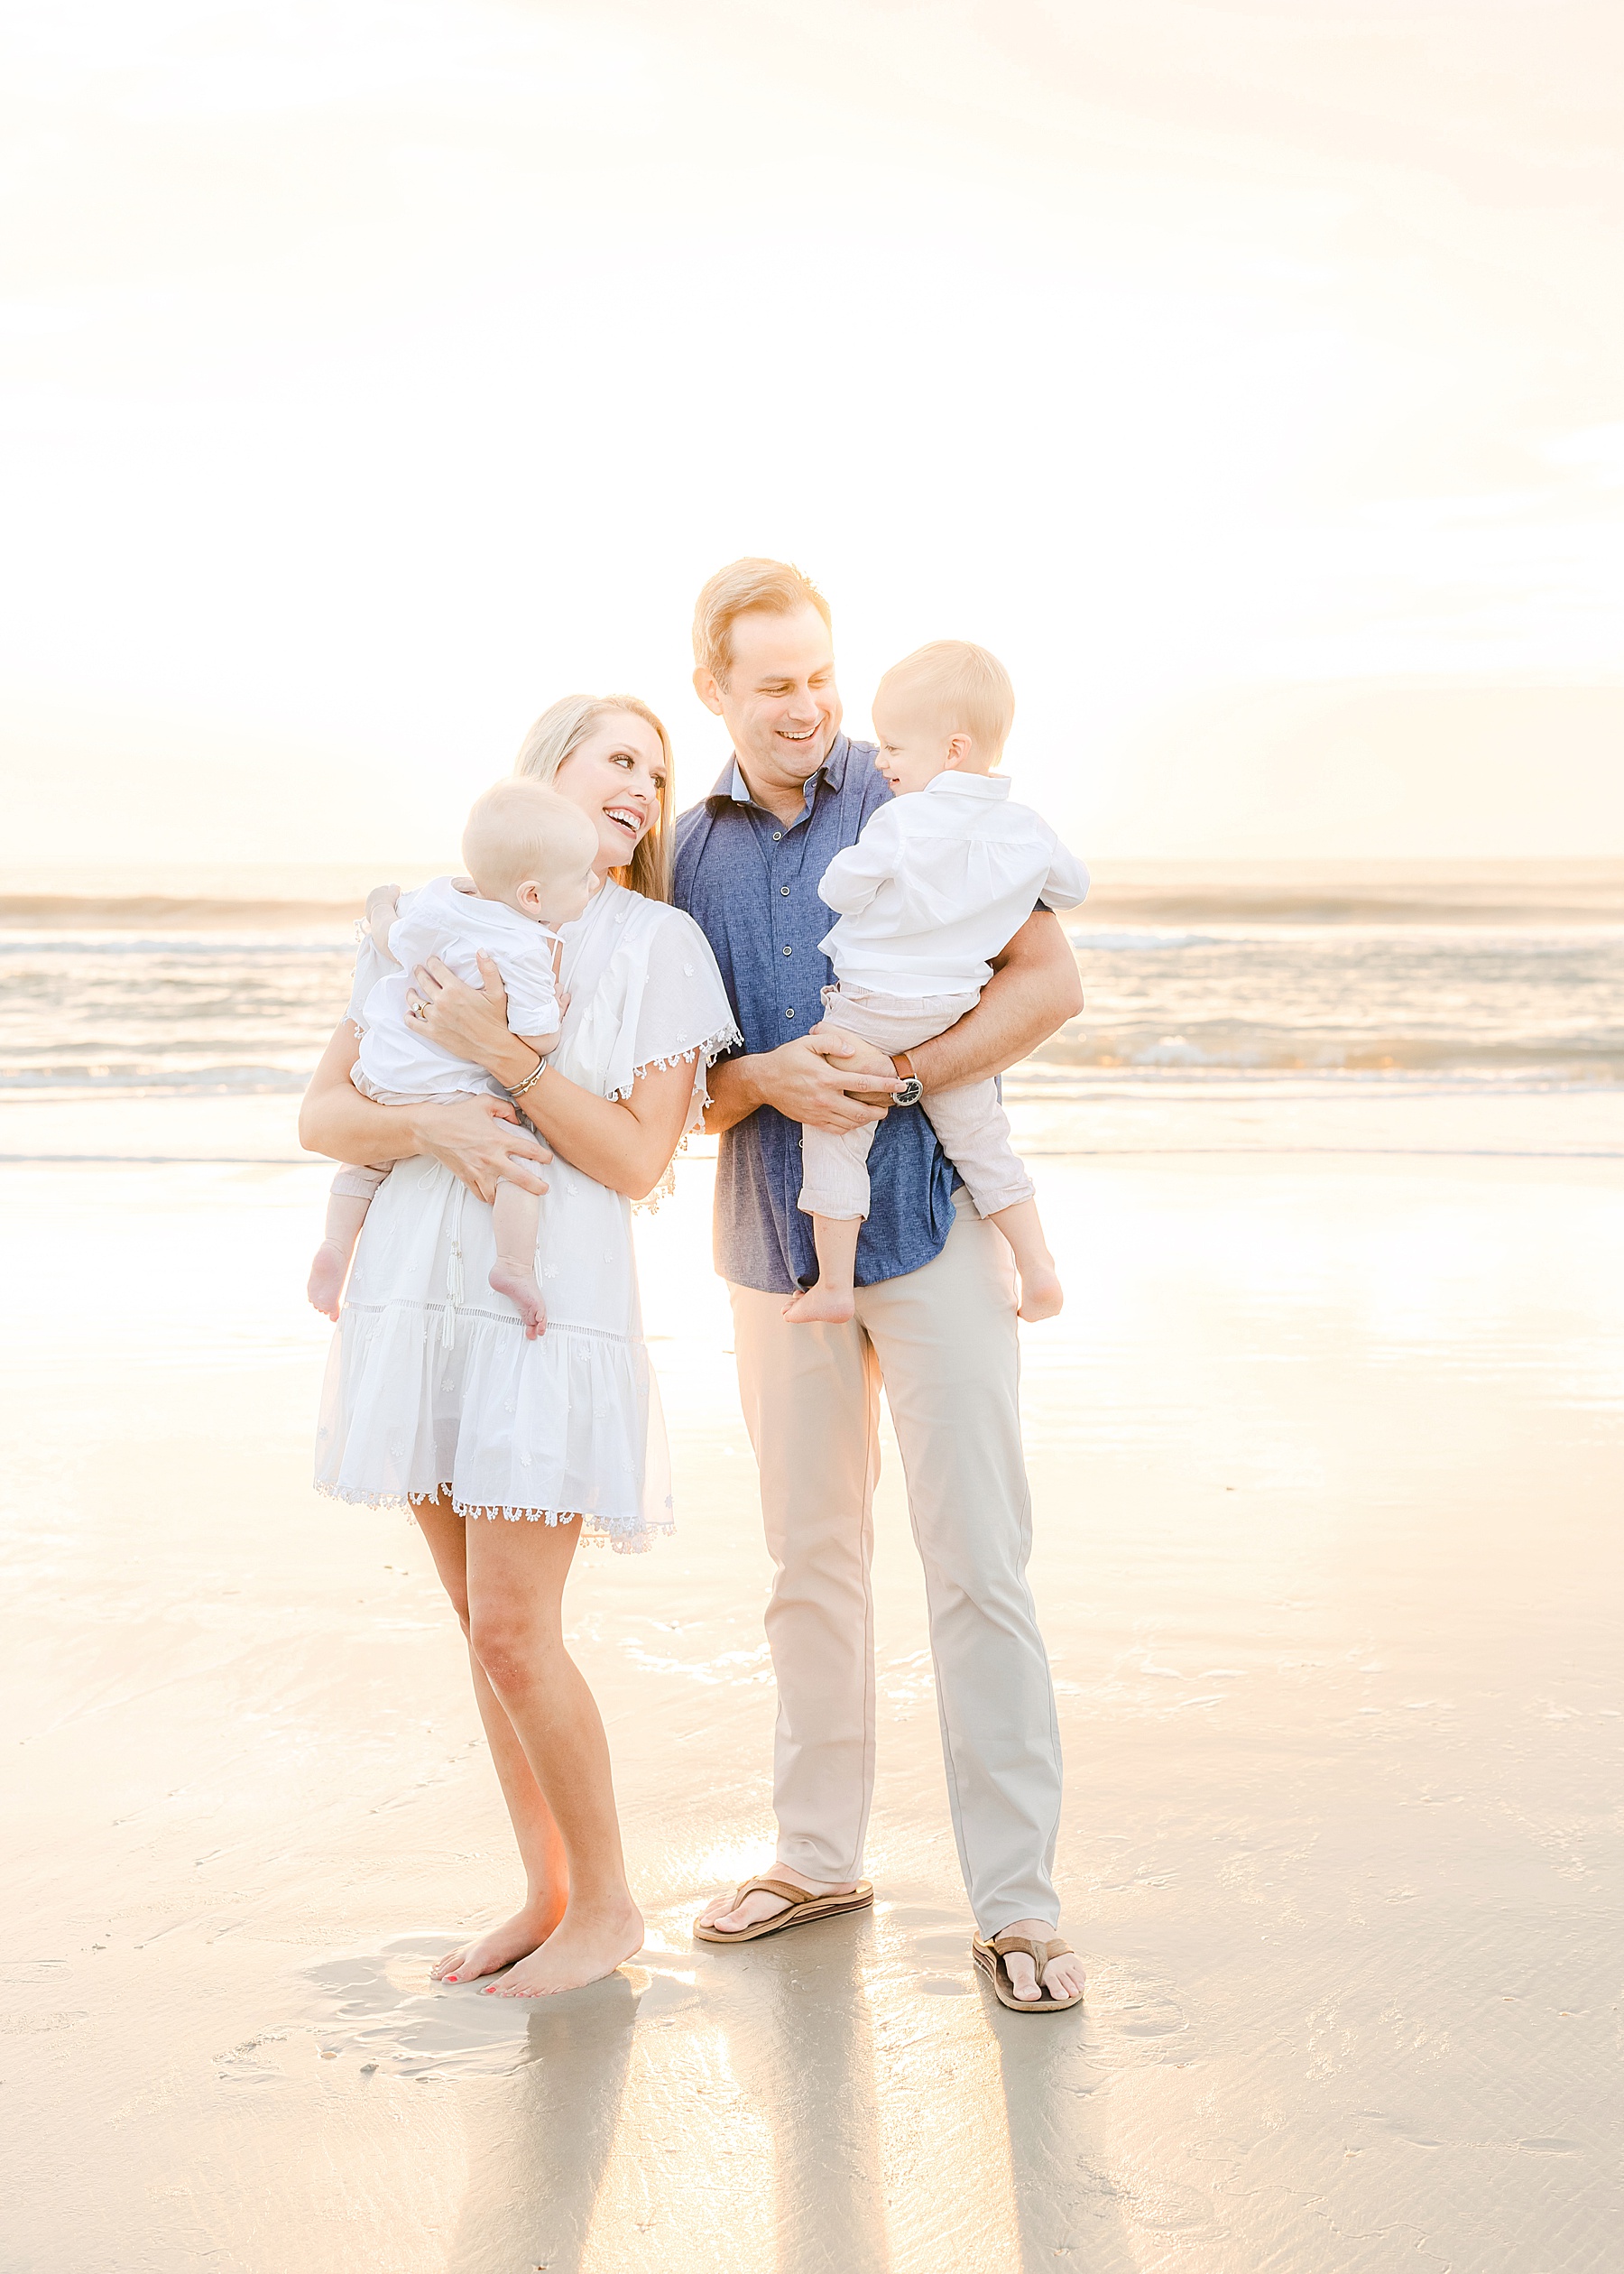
(1325, 1453)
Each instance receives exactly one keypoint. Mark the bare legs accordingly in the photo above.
(515, 1217)
(346, 1214)
(578, 1922)
(1041, 1294)
(833, 1301)
(541, 1848)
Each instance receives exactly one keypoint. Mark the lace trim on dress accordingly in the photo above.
(725, 1038)
(625, 1538)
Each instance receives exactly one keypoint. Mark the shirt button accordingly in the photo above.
(788, 1014)
(788, 951)
(776, 835)
(785, 889)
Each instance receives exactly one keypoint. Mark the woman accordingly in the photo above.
(435, 1399)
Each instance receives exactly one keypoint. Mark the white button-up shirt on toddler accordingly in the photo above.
(941, 882)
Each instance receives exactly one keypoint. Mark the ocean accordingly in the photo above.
(1472, 978)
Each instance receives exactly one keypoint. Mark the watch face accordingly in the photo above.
(910, 1093)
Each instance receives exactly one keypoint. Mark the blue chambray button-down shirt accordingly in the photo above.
(750, 882)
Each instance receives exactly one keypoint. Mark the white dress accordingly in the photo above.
(432, 1385)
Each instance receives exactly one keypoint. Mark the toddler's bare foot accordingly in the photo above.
(523, 1290)
(822, 1306)
(1041, 1293)
(327, 1274)
(586, 1945)
(516, 1937)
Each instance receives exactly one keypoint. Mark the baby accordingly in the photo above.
(939, 881)
(529, 854)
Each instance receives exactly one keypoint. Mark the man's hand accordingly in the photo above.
(855, 1055)
(480, 1141)
(807, 1080)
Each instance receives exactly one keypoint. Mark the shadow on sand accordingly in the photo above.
(539, 2150)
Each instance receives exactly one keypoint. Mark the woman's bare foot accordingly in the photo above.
(515, 1938)
(1041, 1297)
(822, 1306)
(723, 1912)
(328, 1275)
(523, 1289)
(584, 1945)
(1063, 1977)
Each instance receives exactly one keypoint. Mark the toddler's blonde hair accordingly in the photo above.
(966, 689)
(518, 831)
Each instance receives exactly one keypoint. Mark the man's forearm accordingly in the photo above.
(734, 1096)
(1031, 997)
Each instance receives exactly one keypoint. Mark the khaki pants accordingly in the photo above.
(943, 1341)
(972, 1125)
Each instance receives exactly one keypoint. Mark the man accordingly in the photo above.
(935, 1304)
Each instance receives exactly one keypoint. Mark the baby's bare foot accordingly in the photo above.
(516, 1937)
(1041, 1293)
(585, 1946)
(822, 1306)
(523, 1290)
(327, 1274)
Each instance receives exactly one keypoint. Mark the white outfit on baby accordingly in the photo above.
(432, 1385)
(398, 1065)
(938, 882)
(436, 919)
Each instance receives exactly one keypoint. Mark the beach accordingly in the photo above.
(1325, 1454)
(1201, 423)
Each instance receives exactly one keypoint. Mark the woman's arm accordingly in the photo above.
(478, 1138)
(625, 1143)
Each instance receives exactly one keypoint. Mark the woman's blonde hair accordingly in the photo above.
(560, 732)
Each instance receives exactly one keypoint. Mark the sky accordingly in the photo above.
(1251, 378)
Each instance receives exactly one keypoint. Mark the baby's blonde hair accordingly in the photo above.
(967, 689)
(518, 831)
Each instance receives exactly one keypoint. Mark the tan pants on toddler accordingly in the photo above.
(972, 1125)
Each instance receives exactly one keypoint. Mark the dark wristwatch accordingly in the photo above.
(912, 1089)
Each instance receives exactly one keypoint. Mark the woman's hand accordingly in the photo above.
(470, 1022)
(480, 1141)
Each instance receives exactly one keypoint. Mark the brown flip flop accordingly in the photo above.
(803, 1909)
(990, 1957)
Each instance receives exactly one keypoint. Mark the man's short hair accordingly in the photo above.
(765, 587)
(966, 687)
